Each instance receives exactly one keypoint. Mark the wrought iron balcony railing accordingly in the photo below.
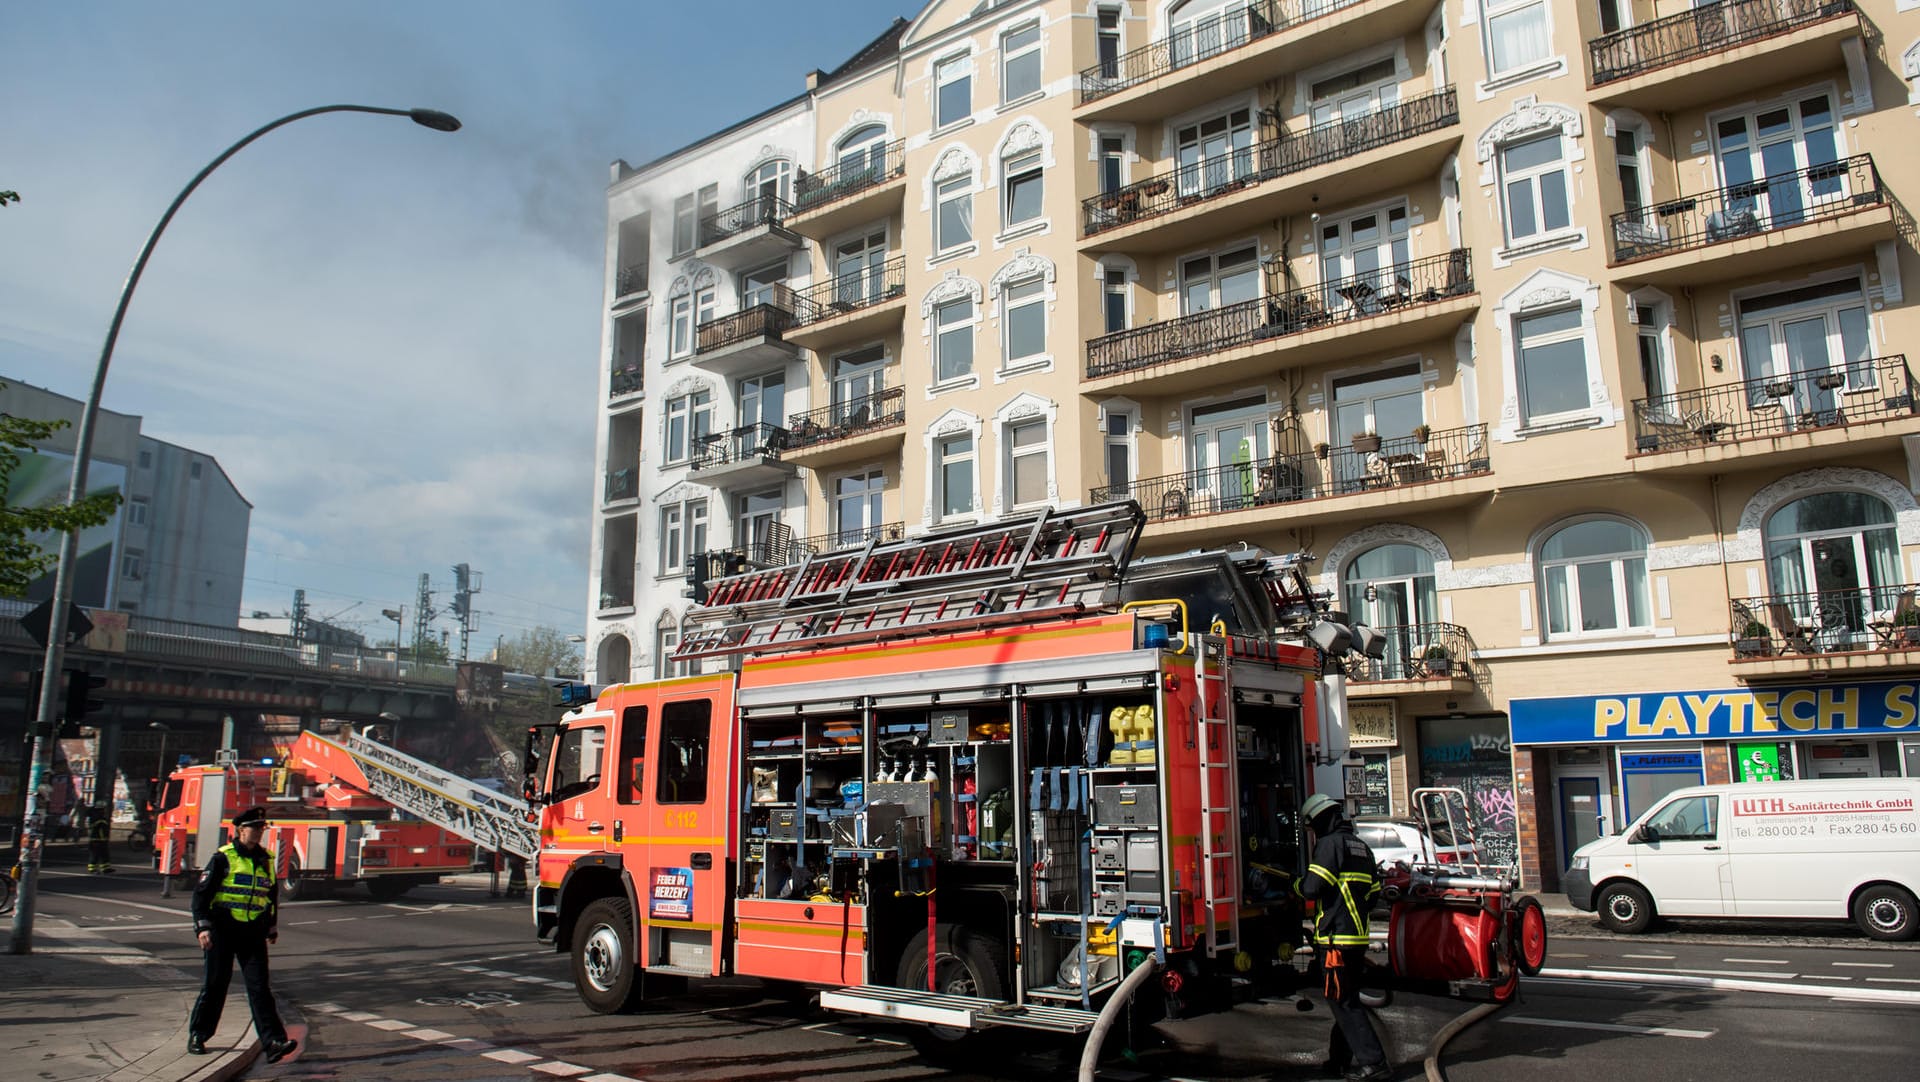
(1703, 31)
(1840, 620)
(1869, 389)
(851, 292)
(1416, 652)
(1760, 206)
(1367, 466)
(630, 279)
(755, 442)
(623, 484)
(626, 379)
(848, 539)
(1244, 167)
(852, 174)
(761, 210)
(1391, 289)
(768, 319)
(848, 418)
(773, 551)
(1233, 28)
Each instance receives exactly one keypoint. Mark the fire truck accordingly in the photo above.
(1000, 776)
(332, 821)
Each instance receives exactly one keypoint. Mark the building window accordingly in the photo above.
(1516, 34)
(953, 90)
(1023, 189)
(1594, 578)
(1797, 337)
(146, 460)
(689, 420)
(1758, 153)
(770, 185)
(763, 286)
(953, 224)
(1107, 43)
(857, 378)
(137, 511)
(857, 506)
(1833, 561)
(1553, 364)
(132, 561)
(1533, 176)
(683, 224)
(630, 340)
(1202, 28)
(1354, 94)
(665, 641)
(1613, 15)
(1391, 588)
(1364, 257)
(709, 208)
(193, 470)
(953, 476)
(1214, 281)
(1113, 163)
(1215, 152)
(1626, 158)
(1020, 62)
(864, 150)
(1028, 465)
(1024, 315)
(683, 534)
(1113, 291)
(1652, 348)
(953, 340)
(1119, 434)
(680, 337)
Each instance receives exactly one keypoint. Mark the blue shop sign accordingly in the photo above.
(1881, 708)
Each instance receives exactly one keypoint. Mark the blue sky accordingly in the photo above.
(387, 335)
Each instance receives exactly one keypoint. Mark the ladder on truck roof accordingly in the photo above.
(488, 818)
(1019, 570)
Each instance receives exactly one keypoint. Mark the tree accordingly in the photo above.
(539, 651)
(23, 556)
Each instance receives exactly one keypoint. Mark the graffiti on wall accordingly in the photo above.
(1475, 756)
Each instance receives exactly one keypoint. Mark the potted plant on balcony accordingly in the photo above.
(1906, 629)
(1421, 432)
(1321, 450)
(1754, 641)
(1830, 381)
(1366, 443)
(1437, 659)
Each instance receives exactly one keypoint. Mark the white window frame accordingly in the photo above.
(683, 533)
(1617, 573)
(132, 563)
(1110, 25)
(1650, 315)
(952, 190)
(870, 499)
(1548, 63)
(1026, 165)
(1124, 415)
(1020, 412)
(969, 458)
(960, 326)
(1011, 54)
(137, 511)
(947, 71)
(1019, 296)
(1214, 276)
(686, 224)
(1525, 340)
(680, 325)
(1040, 433)
(1532, 177)
(1527, 119)
(778, 172)
(666, 638)
(693, 411)
(1544, 290)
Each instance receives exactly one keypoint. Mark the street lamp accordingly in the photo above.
(399, 618)
(31, 837)
(160, 768)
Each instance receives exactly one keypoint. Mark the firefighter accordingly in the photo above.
(516, 876)
(1344, 881)
(99, 837)
(235, 916)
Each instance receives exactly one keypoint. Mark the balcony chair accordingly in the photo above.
(1797, 638)
(1898, 628)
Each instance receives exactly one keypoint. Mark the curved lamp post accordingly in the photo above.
(31, 836)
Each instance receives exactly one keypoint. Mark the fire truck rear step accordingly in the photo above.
(959, 1012)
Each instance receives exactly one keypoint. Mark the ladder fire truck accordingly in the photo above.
(973, 779)
(333, 810)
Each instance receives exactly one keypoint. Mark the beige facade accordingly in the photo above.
(1569, 337)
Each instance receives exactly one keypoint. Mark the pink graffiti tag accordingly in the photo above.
(1496, 807)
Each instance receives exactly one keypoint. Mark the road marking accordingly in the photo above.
(390, 1024)
(564, 1070)
(1651, 957)
(1757, 961)
(429, 1035)
(605, 1077)
(510, 1055)
(306, 922)
(340, 920)
(1610, 1027)
(1865, 965)
(1569, 954)
(1892, 980)
(359, 1016)
(827, 1027)
(121, 901)
(1774, 987)
(1575, 983)
(1776, 974)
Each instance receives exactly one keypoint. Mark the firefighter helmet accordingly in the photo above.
(1316, 806)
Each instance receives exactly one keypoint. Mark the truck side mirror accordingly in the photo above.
(1645, 834)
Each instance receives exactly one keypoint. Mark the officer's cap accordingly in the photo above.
(252, 817)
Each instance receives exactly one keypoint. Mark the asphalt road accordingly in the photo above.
(448, 984)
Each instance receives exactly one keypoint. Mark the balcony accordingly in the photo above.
(616, 599)
(776, 549)
(850, 308)
(1784, 221)
(623, 485)
(848, 539)
(748, 340)
(1268, 40)
(1804, 415)
(629, 284)
(1847, 630)
(749, 235)
(860, 188)
(743, 457)
(1383, 151)
(1419, 658)
(625, 380)
(1346, 317)
(1374, 468)
(855, 430)
(1718, 51)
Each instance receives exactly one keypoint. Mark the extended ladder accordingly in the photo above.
(486, 817)
(1048, 564)
(1220, 874)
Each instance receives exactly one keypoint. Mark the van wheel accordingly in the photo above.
(1625, 908)
(603, 958)
(1884, 911)
(966, 963)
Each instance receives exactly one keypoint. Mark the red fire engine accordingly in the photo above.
(325, 825)
(971, 779)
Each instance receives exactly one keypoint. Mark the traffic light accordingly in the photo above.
(697, 571)
(81, 685)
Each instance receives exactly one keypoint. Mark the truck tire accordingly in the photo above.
(966, 963)
(1625, 908)
(1886, 912)
(295, 889)
(603, 957)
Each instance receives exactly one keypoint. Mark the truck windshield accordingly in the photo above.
(576, 762)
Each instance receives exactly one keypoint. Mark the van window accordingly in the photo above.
(685, 727)
(576, 766)
(633, 755)
(1689, 819)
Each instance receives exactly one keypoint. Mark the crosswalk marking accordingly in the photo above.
(1609, 1027)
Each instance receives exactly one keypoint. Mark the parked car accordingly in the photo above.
(1408, 841)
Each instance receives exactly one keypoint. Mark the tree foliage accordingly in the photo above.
(25, 551)
(538, 652)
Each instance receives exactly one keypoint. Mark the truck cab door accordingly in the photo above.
(577, 781)
(1683, 858)
(682, 884)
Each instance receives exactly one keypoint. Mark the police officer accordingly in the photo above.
(99, 836)
(1344, 880)
(235, 915)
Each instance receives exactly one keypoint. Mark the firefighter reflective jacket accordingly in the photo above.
(246, 892)
(1344, 879)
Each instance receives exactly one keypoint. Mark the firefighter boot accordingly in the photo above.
(196, 1045)
(284, 1047)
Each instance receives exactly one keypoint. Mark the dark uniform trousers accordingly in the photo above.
(1354, 1040)
(234, 942)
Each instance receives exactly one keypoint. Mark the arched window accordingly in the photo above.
(1833, 559)
(1593, 578)
(1391, 587)
(769, 191)
(615, 665)
(864, 149)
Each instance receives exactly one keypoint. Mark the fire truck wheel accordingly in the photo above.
(603, 968)
(1530, 928)
(966, 963)
(1625, 908)
(293, 888)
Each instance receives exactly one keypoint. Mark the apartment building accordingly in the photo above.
(1569, 337)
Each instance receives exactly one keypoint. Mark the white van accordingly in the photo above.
(1799, 849)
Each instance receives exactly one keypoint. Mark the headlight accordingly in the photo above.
(1579, 865)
